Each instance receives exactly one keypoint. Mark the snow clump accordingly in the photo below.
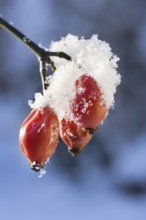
(89, 56)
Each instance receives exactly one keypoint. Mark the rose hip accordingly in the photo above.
(74, 136)
(88, 106)
(39, 136)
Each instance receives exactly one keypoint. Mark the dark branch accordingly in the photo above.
(34, 47)
(39, 52)
(61, 55)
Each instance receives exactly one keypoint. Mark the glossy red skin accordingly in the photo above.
(38, 136)
(92, 115)
(74, 136)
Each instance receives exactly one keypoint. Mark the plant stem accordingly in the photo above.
(34, 47)
(43, 70)
(42, 54)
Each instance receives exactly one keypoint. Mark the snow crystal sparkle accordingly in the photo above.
(92, 57)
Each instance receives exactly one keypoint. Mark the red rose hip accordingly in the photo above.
(74, 136)
(88, 107)
(38, 136)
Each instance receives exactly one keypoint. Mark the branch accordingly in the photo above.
(31, 45)
(42, 54)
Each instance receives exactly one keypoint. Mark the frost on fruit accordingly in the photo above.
(88, 108)
(74, 136)
(89, 56)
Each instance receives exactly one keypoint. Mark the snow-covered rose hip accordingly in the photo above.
(81, 91)
(88, 107)
(39, 136)
(87, 110)
(74, 136)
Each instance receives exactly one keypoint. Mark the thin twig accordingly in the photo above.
(42, 55)
(11, 29)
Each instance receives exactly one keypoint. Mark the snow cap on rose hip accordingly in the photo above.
(91, 56)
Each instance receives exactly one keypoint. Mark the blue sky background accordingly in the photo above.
(108, 180)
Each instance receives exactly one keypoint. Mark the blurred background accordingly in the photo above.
(108, 179)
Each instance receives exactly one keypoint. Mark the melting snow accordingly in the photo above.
(42, 172)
